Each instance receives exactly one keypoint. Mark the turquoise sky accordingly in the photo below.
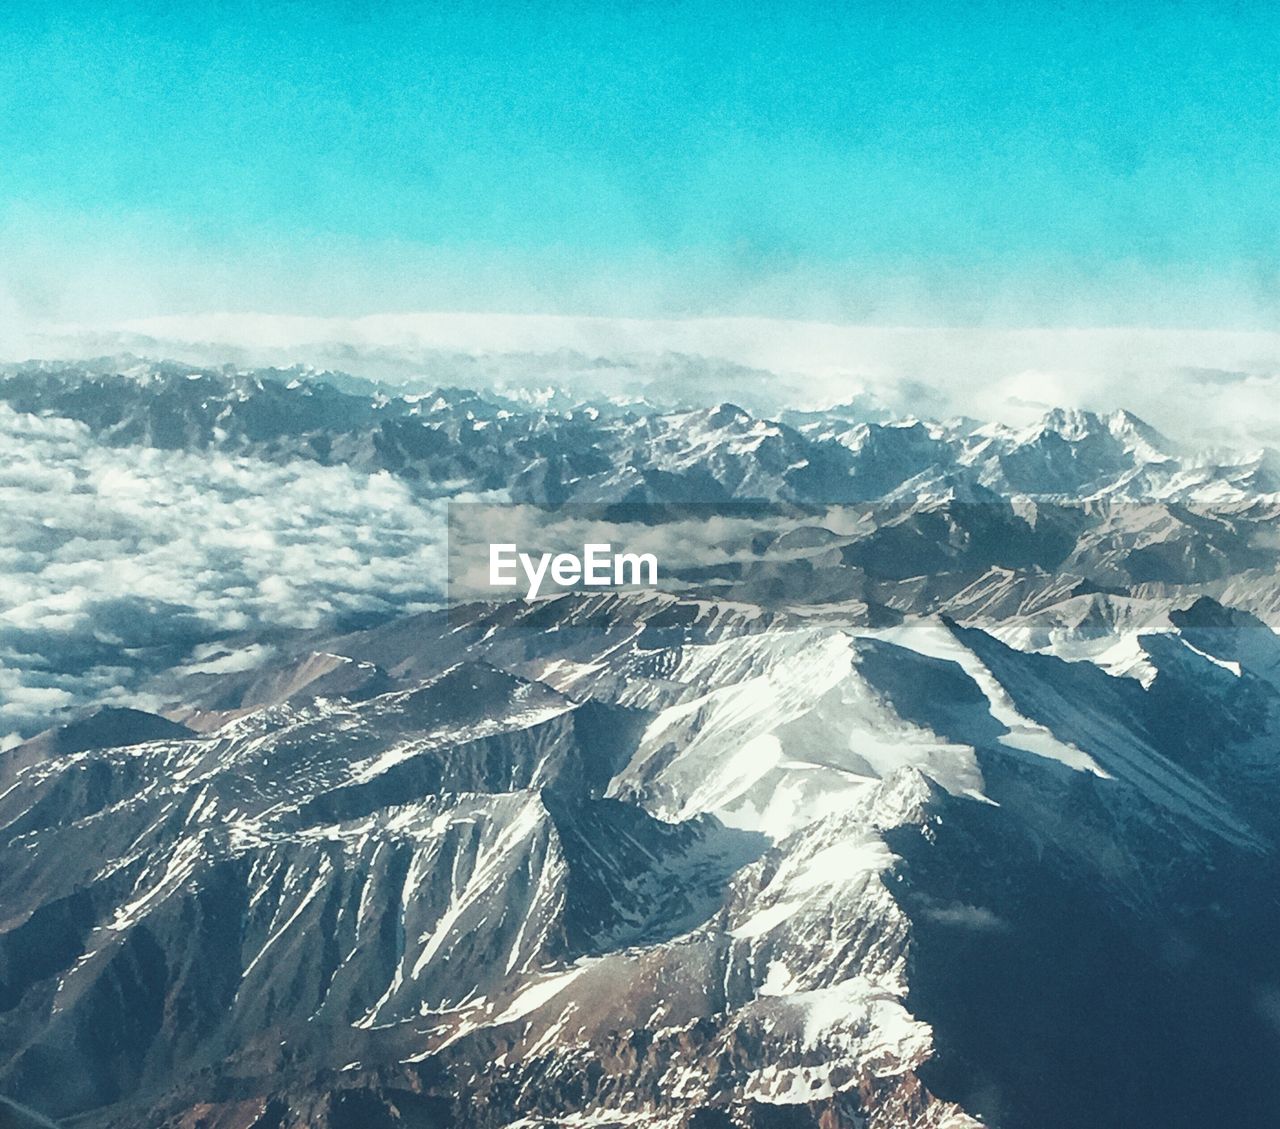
(938, 162)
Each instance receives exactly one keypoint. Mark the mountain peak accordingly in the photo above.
(103, 728)
(1072, 424)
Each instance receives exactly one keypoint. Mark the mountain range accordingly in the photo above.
(543, 447)
(947, 798)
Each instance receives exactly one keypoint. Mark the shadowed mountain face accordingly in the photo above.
(965, 813)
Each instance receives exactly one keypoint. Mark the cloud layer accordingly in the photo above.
(115, 562)
(1205, 386)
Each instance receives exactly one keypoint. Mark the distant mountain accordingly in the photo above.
(546, 449)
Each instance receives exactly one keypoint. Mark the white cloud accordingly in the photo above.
(114, 558)
(991, 373)
(976, 918)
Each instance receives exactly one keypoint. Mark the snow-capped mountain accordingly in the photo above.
(546, 450)
(950, 801)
